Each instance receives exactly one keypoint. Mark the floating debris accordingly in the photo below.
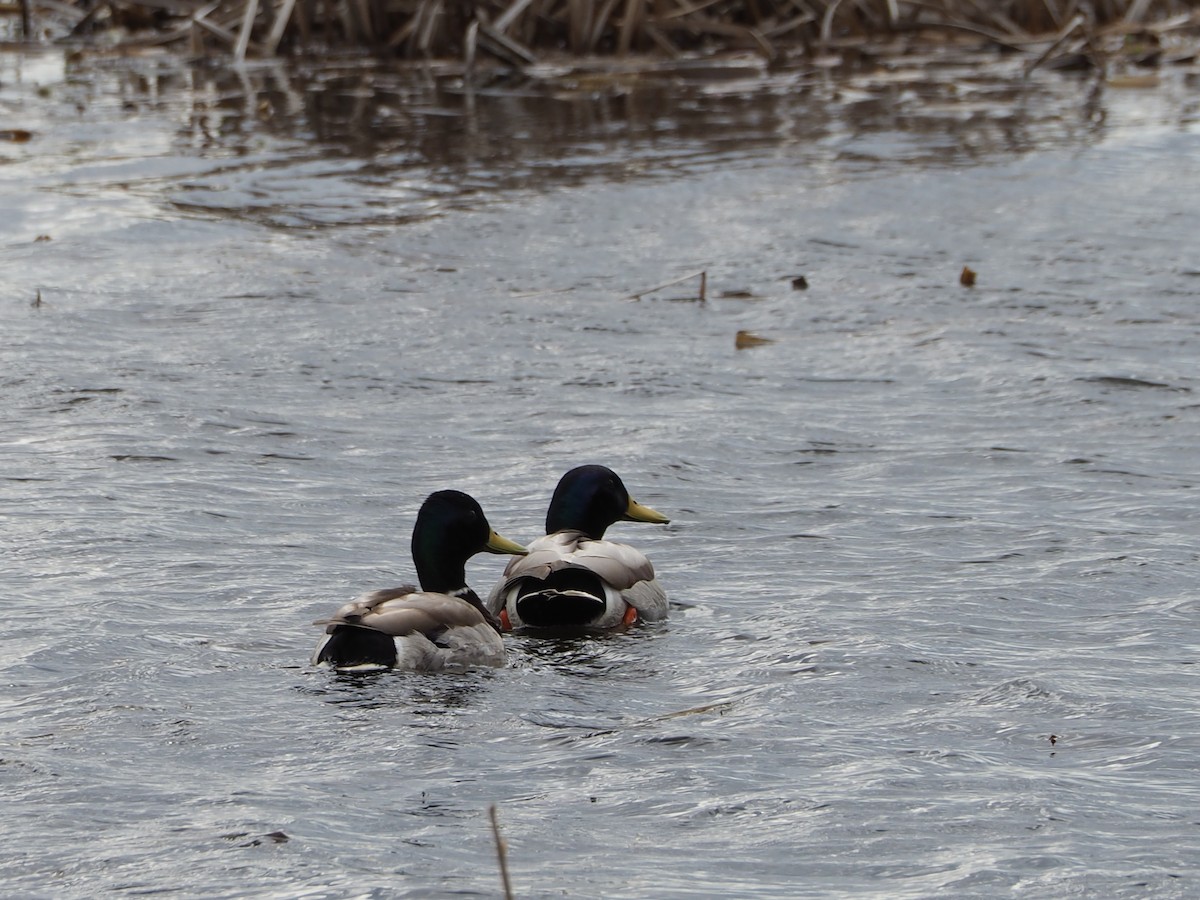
(703, 276)
(274, 837)
(1133, 81)
(967, 277)
(745, 339)
(721, 706)
(799, 283)
(1123, 381)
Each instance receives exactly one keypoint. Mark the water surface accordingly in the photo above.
(932, 551)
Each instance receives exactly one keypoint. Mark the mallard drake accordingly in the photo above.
(442, 624)
(573, 578)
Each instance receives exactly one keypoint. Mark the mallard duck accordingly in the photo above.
(442, 624)
(572, 577)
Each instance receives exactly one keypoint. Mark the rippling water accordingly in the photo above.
(932, 555)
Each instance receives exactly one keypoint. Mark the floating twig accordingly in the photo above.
(721, 706)
(702, 275)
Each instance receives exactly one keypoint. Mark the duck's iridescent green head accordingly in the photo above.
(590, 498)
(450, 529)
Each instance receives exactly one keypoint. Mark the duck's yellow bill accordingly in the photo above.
(635, 512)
(498, 543)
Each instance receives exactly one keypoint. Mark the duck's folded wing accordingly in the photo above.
(363, 604)
(402, 611)
(546, 554)
(619, 565)
(648, 598)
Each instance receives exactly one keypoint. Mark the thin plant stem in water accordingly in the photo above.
(501, 853)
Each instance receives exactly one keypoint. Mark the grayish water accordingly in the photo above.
(924, 530)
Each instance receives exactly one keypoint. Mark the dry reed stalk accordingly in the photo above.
(504, 47)
(223, 34)
(302, 16)
(402, 34)
(579, 23)
(788, 26)
(433, 16)
(243, 37)
(996, 17)
(827, 22)
(1137, 9)
(470, 42)
(501, 853)
(1054, 32)
(83, 21)
(629, 23)
(687, 10)
(510, 15)
(284, 16)
(328, 14)
(664, 43)
(341, 9)
(601, 23)
(369, 21)
(1076, 24)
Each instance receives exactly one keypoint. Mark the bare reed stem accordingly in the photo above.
(501, 853)
(517, 33)
(702, 275)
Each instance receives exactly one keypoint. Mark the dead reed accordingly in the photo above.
(521, 32)
(501, 853)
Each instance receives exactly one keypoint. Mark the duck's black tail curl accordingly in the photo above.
(568, 597)
(350, 646)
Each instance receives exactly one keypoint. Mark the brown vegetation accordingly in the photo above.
(520, 32)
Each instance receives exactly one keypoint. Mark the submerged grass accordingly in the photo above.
(522, 32)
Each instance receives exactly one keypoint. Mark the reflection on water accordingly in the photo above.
(415, 144)
(363, 143)
(375, 690)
